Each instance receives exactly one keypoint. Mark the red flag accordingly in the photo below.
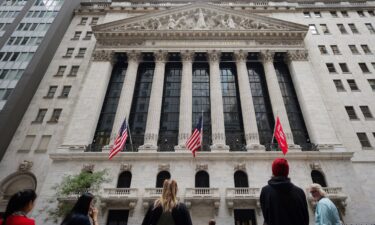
(280, 136)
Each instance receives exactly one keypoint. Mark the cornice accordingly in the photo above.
(66, 155)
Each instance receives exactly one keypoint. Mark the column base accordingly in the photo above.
(255, 147)
(148, 147)
(219, 147)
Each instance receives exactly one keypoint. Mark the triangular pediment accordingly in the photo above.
(199, 17)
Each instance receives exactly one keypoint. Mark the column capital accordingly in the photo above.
(297, 55)
(161, 56)
(214, 56)
(103, 55)
(187, 56)
(267, 56)
(134, 56)
(240, 56)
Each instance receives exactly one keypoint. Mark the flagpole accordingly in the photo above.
(202, 133)
(274, 129)
(130, 136)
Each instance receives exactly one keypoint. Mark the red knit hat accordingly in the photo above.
(280, 167)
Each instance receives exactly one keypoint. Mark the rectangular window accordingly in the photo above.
(331, 68)
(81, 53)
(88, 35)
(43, 144)
(313, 29)
(65, 91)
(8, 91)
(362, 137)
(361, 13)
(364, 67)
(370, 28)
(41, 114)
(351, 112)
(28, 143)
(324, 28)
(366, 112)
(339, 85)
(366, 49)
(353, 49)
(335, 50)
(306, 14)
(83, 21)
(77, 34)
(353, 28)
(352, 84)
(73, 71)
(333, 14)
(344, 68)
(342, 28)
(51, 91)
(69, 52)
(94, 20)
(55, 116)
(317, 14)
(322, 49)
(372, 83)
(61, 71)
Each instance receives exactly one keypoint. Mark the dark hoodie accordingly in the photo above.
(283, 203)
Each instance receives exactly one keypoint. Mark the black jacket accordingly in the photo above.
(180, 215)
(283, 203)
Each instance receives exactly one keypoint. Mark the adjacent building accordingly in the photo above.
(162, 65)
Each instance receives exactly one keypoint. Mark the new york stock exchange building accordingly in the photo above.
(164, 64)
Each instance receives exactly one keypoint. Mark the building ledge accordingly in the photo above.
(238, 197)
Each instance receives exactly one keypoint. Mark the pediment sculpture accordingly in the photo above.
(200, 19)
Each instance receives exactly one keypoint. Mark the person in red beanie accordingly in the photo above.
(282, 202)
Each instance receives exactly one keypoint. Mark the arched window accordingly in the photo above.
(318, 177)
(124, 180)
(16, 182)
(240, 179)
(163, 175)
(202, 179)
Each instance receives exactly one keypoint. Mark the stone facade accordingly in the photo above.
(267, 29)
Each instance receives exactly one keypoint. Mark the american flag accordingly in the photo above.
(195, 140)
(120, 140)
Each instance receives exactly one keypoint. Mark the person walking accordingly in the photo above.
(79, 215)
(326, 212)
(282, 202)
(167, 210)
(19, 205)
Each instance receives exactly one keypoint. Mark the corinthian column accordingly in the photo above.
(81, 128)
(247, 105)
(186, 97)
(315, 114)
(217, 112)
(126, 97)
(154, 109)
(277, 101)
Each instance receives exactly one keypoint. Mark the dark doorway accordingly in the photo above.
(240, 179)
(118, 217)
(244, 217)
(163, 175)
(318, 177)
(202, 179)
(124, 180)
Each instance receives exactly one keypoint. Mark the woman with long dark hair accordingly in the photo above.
(18, 206)
(81, 211)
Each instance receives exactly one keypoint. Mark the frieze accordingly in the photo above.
(25, 165)
(125, 167)
(119, 42)
(103, 55)
(297, 55)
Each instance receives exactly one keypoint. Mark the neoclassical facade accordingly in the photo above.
(240, 65)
